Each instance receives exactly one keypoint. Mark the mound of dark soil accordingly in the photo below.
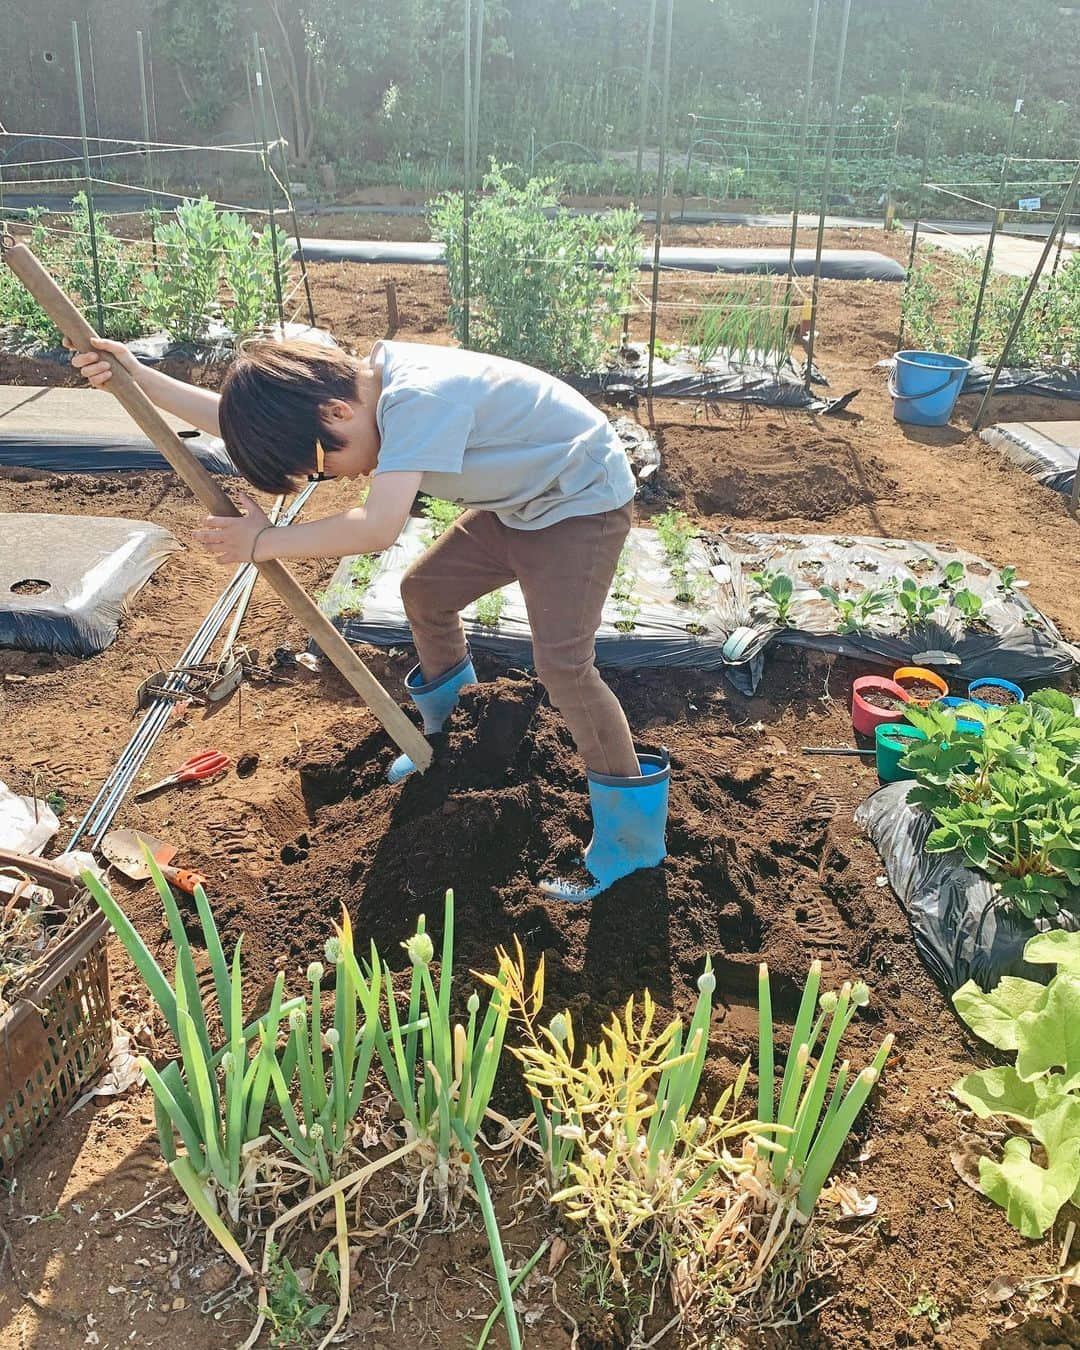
(751, 873)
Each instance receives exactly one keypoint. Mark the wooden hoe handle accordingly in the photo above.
(79, 333)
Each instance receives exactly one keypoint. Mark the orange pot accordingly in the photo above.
(909, 674)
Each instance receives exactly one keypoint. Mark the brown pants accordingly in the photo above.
(565, 573)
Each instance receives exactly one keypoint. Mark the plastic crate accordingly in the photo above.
(57, 1035)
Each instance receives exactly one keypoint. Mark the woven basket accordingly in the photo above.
(58, 1034)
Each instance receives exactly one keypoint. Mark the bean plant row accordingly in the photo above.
(938, 308)
(206, 268)
(547, 287)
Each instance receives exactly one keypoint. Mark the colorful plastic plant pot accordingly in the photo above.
(954, 705)
(892, 740)
(874, 700)
(922, 686)
(994, 693)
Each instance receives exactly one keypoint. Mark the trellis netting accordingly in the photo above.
(65, 581)
(725, 622)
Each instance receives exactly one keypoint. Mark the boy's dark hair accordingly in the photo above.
(269, 412)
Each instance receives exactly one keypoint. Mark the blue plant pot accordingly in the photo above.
(992, 682)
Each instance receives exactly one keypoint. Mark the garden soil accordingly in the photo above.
(765, 864)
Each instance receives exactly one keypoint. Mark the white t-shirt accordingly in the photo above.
(497, 435)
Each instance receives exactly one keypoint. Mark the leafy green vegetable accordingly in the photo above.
(970, 608)
(778, 590)
(854, 613)
(918, 604)
(1008, 798)
(1040, 1093)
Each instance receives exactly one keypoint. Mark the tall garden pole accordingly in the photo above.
(890, 208)
(93, 87)
(1018, 317)
(260, 89)
(466, 188)
(287, 179)
(919, 205)
(826, 179)
(86, 174)
(804, 133)
(643, 120)
(995, 224)
(148, 174)
(477, 57)
(1070, 195)
(660, 176)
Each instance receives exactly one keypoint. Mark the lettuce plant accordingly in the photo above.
(1039, 1093)
(1008, 798)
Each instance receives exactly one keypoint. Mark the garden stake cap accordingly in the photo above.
(123, 387)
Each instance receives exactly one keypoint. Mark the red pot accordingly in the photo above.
(865, 718)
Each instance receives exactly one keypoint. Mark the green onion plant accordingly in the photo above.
(812, 1121)
(214, 1103)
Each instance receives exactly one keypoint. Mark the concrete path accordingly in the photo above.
(29, 408)
(1013, 256)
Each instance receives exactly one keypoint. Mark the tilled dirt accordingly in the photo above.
(764, 862)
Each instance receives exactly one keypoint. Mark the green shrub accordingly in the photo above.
(537, 294)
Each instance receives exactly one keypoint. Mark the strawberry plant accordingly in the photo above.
(854, 613)
(1008, 798)
(1038, 1096)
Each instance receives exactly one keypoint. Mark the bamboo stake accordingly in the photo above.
(195, 477)
(826, 179)
(661, 171)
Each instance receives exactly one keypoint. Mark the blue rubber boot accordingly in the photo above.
(629, 819)
(436, 702)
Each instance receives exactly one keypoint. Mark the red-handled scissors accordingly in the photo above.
(206, 764)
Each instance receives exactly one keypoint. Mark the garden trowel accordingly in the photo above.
(127, 850)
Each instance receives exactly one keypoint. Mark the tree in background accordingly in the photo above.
(363, 79)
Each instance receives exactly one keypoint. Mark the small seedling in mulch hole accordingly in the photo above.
(971, 610)
(57, 802)
(489, 608)
(952, 575)
(247, 764)
(918, 604)
(854, 613)
(622, 592)
(778, 589)
(1007, 583)
(440, 515)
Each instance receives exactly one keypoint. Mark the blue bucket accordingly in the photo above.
(925, 386)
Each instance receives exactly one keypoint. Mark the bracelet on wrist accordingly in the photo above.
(255, 542)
